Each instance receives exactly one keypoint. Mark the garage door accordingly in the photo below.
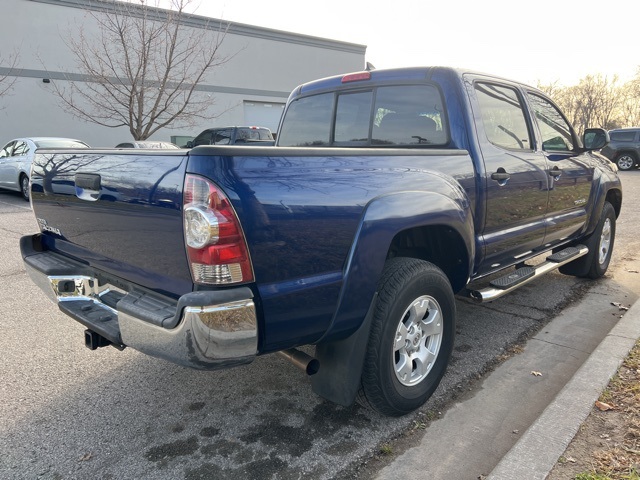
(262, 114)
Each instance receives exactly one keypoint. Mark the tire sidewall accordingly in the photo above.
(435, 284)
(599, 269)
(24, 178)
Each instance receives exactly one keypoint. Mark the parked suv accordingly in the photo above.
(624, 147)
(233, 136)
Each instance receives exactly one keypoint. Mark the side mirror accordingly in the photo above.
(190, 144)
(595, 138)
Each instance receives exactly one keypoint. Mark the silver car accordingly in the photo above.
(17, 155)
(147, 144)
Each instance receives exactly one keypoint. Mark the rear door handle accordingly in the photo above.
(555, 172)
(500, 176)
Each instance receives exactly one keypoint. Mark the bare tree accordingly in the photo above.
(630, 105)
(594, 102)
(142, 69)
(7, 75)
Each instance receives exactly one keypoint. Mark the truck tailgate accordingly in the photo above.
(120, 212)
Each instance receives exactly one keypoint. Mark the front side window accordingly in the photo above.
(503, 116)
(554, 129)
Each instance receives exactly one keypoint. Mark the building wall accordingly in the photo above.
(264, 66)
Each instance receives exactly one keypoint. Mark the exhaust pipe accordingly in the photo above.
(93, 340)
(301, 360)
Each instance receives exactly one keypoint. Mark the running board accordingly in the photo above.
(521, 276)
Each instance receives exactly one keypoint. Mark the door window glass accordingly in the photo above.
(554, 129)
(623, 136)
(21, 148)
(409, 115)
(222, 137)
(7, 149)
(503, 116)
(203, 139)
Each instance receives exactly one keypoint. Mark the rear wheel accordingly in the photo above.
(625, 161)
(411, 337)
(600, 243)
(24, 186)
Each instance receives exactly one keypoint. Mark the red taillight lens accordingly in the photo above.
(216, 246)
(356, 77)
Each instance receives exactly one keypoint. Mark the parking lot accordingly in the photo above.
(68, 412)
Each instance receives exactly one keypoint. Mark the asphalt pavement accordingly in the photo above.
(529, 409)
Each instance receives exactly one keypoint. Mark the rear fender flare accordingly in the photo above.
(341, 351)
(382, 220)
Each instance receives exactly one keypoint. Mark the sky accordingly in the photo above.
(530, 41)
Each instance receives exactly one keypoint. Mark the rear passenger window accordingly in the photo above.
(503, 116)
(623, 136)
(409, 115)
(21, 148)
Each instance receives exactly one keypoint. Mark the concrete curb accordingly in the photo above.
(538, 450)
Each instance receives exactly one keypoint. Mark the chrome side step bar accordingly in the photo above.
(521, 276)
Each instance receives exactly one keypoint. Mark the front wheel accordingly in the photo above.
(600, 243)
(625, 161)
(411, 337)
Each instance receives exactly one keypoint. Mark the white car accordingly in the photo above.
(17, 155)
(147, 144)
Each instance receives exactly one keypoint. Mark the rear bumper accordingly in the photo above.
(204, 330)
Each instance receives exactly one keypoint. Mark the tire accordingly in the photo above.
(24, 186)
(625, 161)
(600, 243)
(411, 338)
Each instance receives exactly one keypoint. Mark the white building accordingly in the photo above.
(250, 89)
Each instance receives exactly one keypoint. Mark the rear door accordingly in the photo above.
(570, 170)
(515, 179)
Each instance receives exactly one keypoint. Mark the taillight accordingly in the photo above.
(216, 246)
(356, 77)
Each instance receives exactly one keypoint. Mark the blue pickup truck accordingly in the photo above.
(387, 193)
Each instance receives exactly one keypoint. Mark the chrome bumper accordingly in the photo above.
(204, 330)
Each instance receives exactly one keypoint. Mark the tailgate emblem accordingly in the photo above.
(46, 228)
